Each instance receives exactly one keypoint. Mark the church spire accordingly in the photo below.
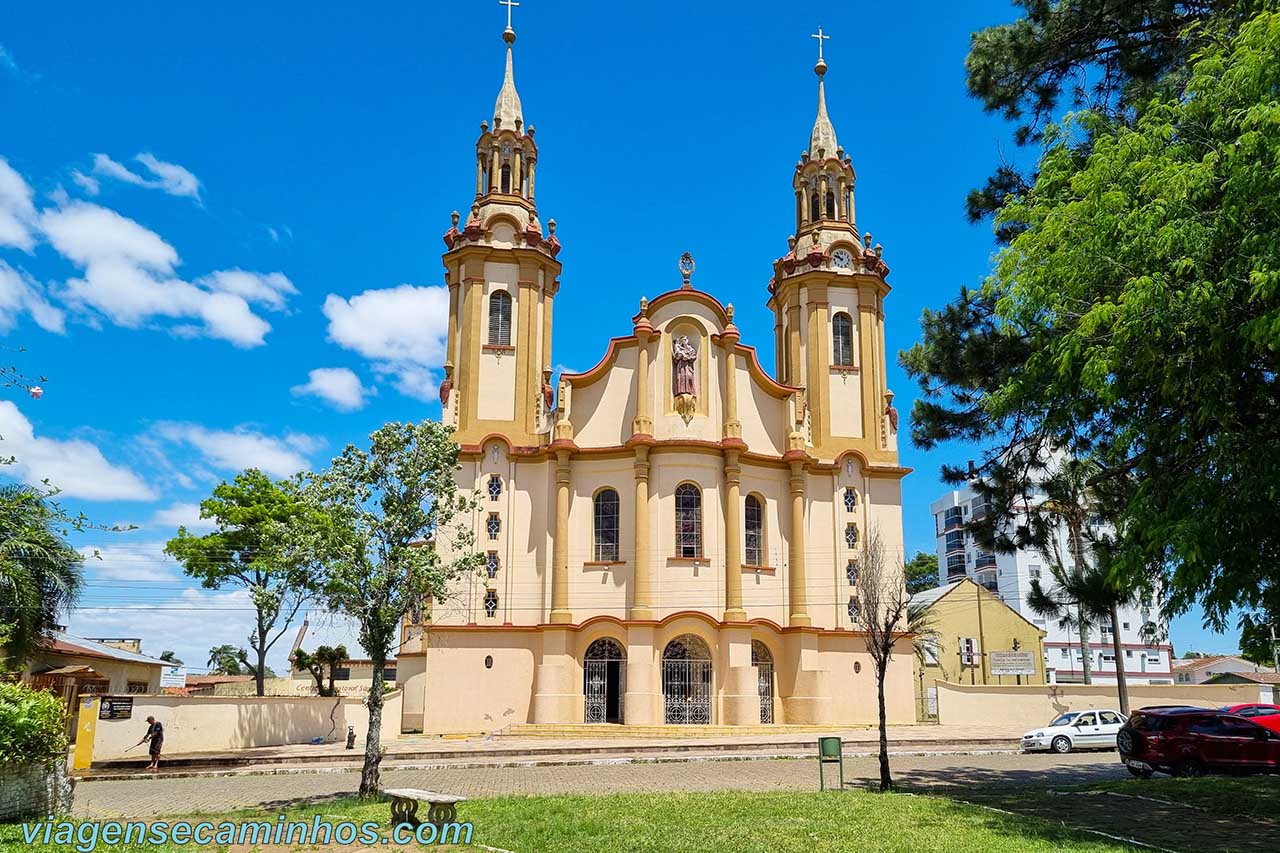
(506, 110)
(822, 140)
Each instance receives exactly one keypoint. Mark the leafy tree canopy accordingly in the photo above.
(922, 572)
(225, 660)
(1136, 321)
(1255, 638)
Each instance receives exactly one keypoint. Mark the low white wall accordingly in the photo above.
(1035, 705)
(220, 723)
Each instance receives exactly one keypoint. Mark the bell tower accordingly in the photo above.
(827, 296)
(502, 273)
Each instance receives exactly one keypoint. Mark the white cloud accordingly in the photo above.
(338, 385)
(402, 330)
(182, 515)
(140, 561)
(129, 277)
(270, 290)
(88, 183)
(168, 177)
(17, 209)
(235, 450)
(75, 466)
(20, 294)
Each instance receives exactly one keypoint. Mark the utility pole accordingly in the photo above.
(982, 640)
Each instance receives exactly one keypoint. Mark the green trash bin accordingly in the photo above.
(830, 751)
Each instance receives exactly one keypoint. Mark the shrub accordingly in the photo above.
(33, 728)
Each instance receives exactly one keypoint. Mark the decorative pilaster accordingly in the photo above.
(867, 336)
(641, 583)
(732, 430)
(799, 610)
(817, 346)
(733, 611)
(642, 423)
(560, 613)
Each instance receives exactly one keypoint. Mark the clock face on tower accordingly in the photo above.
(841, 258)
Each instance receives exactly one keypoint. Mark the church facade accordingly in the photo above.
(672, 536)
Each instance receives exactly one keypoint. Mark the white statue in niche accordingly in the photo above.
(684, 357)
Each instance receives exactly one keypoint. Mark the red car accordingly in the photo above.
(1267, 716)
(1191, 741)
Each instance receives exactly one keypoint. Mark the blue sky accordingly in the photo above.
(220, 226)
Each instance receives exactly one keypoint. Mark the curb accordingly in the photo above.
(483, 765)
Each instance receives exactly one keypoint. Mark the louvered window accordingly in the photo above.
(500, 319)
(842, 339)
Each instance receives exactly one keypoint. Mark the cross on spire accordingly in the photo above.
(510, 4)
(821, 38)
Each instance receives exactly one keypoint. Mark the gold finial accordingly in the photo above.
(728, 310)
(686, 267)
(454, 216)
(644, 306)
(821, 67)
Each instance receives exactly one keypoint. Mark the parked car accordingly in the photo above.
(1191, 741)
(1267, 716)
(1094, 729)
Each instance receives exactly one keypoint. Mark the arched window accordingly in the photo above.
(605, 535)
(506, 177)
(831, 205)
(491, 603)
(688, 521)
(500, 319)
(842, 339)
(815, 206)
(850, 499)
(754, 527)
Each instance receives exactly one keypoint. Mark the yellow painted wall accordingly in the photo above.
(955, 615)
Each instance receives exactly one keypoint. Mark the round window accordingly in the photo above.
(488, 661)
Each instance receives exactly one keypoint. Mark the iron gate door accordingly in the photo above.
(764, 685)
(602, 688)
(686, 691)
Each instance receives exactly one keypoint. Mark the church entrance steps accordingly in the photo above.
(607, 730)
(501, 750)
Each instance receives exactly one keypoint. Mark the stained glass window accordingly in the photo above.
(688, 521)
(754, 531)
(605, 537)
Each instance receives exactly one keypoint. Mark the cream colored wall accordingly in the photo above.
(844, 387)
(602, 411)
(853, 689)
(965, 705)
(764, 593)
(762, 415)
(214, 723)
(119, 672)
(600, 590)
(463, 696)
(678, 584)
(498, 370)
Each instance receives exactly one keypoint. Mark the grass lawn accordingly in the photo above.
(1243, 796)
(728, 821)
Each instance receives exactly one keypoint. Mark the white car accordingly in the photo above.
(1094, 729)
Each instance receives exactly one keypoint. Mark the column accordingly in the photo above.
(527, 385)
(733, 611)
(557, 680)
(560, 613)
(479, 176)
(533, 168)
(642, 705)
(517, 172)
(732, 426)
(494, 178)
(796, 575)
(642, 423)
(817, 383)
(795, 376)
(641, 582)
(871, 401)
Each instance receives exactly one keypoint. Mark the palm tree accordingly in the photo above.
(40, 574)
(1084, 591)
(225, 660)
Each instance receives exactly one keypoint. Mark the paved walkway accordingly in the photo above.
(152, 797)
(420, 748)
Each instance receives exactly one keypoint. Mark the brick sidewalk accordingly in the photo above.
(152, 797)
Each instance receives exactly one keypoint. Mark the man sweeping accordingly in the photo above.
(155, 734)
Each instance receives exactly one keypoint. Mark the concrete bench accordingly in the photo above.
(404, 806)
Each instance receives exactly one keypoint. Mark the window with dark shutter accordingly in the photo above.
(500, 319)
(842, 339)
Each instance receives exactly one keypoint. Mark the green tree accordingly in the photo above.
(170, 656)
(1108, 56)
(235, 555)
(33, 727)
(226, 660)
(1257, 639)
(40, 574)
(391, 529)
(922, 572)
(1135, 321)
(324, 657)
